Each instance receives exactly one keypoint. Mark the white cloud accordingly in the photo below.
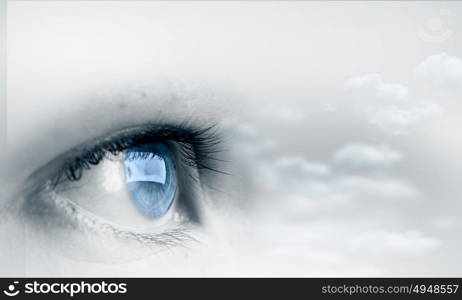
(291, 175)
(311, 190)
(388, 106)
(364, 189)
(367, 156)
(298, 165)
(320, 198)
(396, 120)
(372, 85)
(440, 69)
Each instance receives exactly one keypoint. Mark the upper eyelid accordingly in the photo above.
(148, 132)
(207, 137)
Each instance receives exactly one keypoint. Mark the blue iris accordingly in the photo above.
(151, 178)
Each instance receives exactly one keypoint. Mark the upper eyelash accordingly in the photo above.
(198, 148)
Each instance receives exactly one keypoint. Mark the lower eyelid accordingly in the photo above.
(71, 217)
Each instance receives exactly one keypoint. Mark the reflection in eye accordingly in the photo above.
(140, 183)
(151, 179)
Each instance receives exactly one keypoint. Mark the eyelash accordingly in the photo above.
(198, 148)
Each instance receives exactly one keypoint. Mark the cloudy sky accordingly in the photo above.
(365, 182)
(343, 119)
(359, 164)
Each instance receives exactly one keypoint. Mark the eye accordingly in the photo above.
(142, 183)
(151, 179)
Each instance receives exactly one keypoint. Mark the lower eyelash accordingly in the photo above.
(173, 237)
(169, 239)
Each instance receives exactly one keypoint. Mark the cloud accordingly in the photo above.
(396, 119)
(313, 190)
(340, 221)
(388, 106)
(318, 188)
(290, 175)
(440, 69)
(366, 156)
(365, 189)
(321, 198)
(299, 166)
(373, 86)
